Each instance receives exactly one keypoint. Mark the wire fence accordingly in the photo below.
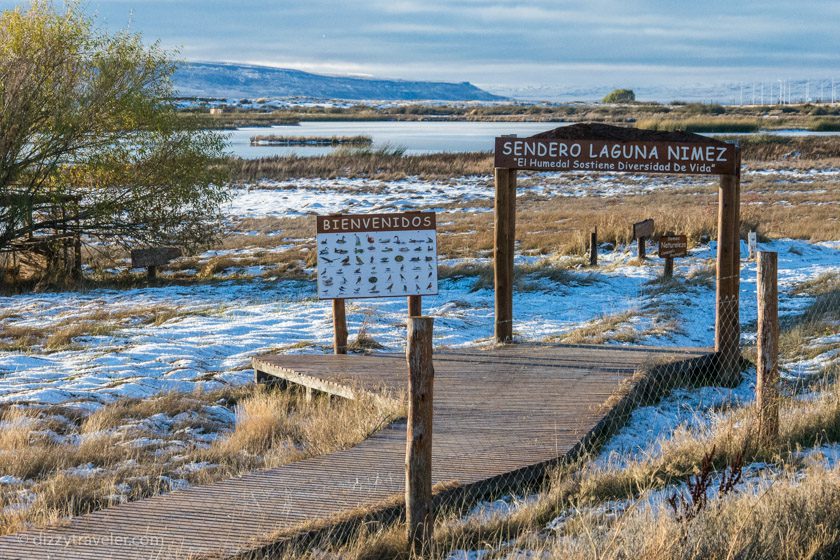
(539, 449)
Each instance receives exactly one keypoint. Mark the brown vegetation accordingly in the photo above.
(603, 511)
(377, 164)
(392, 165)
(69, 463)
(776, 206)
(64, 332)
(280, 140)
(804, 115)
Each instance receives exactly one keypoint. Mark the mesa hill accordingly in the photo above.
(200, 79)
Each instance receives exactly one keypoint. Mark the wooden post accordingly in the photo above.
(65, 242)
(736, 255)
(77, 245)
(151, 273)
(727, 327)
(77, 255)
(339, 327)
(418, 446)
(593, 247)
(642, 248)
(503, 251)
(767, 351)
(669, 267)
(415, 306)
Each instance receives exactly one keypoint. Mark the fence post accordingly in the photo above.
(339, 327)
(593, 247)
(77, 254)
(642, 254)
(415, 306)
(669, 267)
(504, 241)
(767, 367)
(418, 446)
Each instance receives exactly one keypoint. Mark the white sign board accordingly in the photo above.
(752, 240)
(377, 255)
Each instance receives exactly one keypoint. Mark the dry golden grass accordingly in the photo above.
(801, 501)
(363, 342)
(386, 164)
(804, 207)
(607, 328)
(706, 123)
(792, 518)
(604, 503)
(775, 206)
(271, 428)
(64, 332)
(803, 115)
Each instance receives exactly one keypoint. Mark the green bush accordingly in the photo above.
(620, 96)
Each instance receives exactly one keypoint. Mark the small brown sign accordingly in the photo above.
(551, 154)
(153, 256)
(671, 246)
(643, 229)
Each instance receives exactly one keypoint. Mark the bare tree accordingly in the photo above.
(91, 147)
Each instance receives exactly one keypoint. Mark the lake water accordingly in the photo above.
(416, 137)
(420, 137)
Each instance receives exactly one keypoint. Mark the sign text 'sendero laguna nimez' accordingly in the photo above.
(548, 154)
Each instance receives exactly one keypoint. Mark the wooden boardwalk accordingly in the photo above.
(501, 416)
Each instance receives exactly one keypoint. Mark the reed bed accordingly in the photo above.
(280, 140)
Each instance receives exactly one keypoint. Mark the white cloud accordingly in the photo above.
(500, 41)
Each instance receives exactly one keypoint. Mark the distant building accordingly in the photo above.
(216, 111)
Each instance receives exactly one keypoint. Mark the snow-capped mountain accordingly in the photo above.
(199, 79)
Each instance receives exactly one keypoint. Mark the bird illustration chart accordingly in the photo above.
(377, 255)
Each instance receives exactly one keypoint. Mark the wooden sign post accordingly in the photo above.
(503, 251)
(727, 315)
(152, 258)
(375, 255)
(339, 326)
(387, 255)
(593, 247)
(671, 247)
(418, 447)
(415, 306)
(593, 147)
(767, 348)
(641, 232)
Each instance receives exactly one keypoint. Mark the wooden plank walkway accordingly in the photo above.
(500, 414)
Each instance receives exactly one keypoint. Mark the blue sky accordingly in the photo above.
(540, 43)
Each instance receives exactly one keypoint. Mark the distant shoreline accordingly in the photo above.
(693, 117)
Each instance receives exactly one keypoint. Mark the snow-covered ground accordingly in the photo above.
(222, 325)
(209, 331)
(323, 196)
(217, 327)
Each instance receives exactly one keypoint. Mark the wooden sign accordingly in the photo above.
(643, 229)
(377, 255)
(153, 256)
(548, 154)
(672, 246)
